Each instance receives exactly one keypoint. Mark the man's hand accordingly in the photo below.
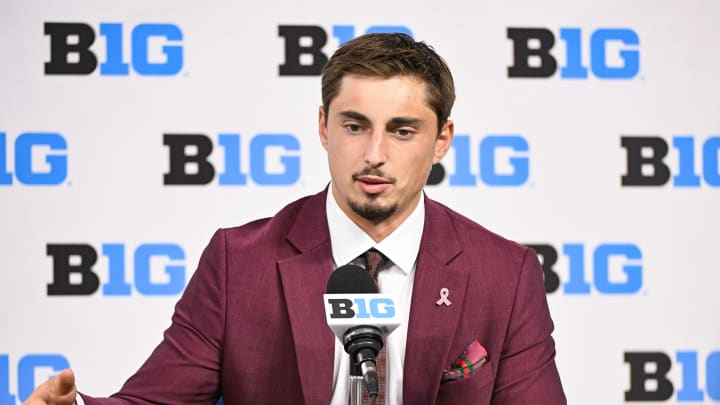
(59, 390)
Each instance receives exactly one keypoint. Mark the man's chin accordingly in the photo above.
(372, 210)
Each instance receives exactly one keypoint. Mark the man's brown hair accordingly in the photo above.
(386, 56)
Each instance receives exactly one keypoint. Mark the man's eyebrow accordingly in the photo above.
(400, 121)
(394, 122)
(354, 115)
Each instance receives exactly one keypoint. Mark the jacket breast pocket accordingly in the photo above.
(475, 390)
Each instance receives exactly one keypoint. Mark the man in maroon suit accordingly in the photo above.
(250, 327)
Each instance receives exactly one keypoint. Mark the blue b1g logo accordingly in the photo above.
(304, 43)
(647, 156)
(532, 57)
(27, 367)
(616, 268)
(273, 159)
(70, 52)
(40, 158)
(494, 160)
(361, 308)
(74, 272)
(650, 378)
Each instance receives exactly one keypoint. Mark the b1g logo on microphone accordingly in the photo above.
(495, 160)
(646, 161)
(268, 160)
(155, 49)
(157, 269)
(343, 311)
(28, 368)
(616, 268)
(613, 53)
(38, 159)
(364, 308)
(649, 380)
(304, 43)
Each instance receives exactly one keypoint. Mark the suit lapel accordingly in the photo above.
(304, 281)
(431, 326)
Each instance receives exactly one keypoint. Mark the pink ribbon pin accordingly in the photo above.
(444, 292)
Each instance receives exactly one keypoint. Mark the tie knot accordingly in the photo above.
(374, 262)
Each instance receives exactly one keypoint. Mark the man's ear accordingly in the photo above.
(322, 127)
(443, 141)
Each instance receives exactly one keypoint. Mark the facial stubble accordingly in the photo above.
(372, 211)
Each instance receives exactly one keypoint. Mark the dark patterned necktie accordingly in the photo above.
(376, 262)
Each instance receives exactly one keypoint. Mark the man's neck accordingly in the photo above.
(349, 241)
(377, 230)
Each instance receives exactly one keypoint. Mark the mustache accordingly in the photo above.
(373, 171)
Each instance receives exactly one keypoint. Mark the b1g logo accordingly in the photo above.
(494, 160)
(379, 308)
(40, 159)
(646, 161)
(73, 272)
(616, 268)
(29, 366)
(304, 43)
(652, 383)
(272, 159)
(532, 57)
(155, 49)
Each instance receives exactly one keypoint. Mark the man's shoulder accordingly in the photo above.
(280, 224)
(469, 232)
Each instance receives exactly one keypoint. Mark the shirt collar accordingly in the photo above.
(348, 241)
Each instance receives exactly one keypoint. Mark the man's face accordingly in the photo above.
(381, 139)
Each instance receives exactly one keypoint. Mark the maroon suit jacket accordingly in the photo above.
(250, 326)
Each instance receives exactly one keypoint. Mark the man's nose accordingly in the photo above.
(376, 152)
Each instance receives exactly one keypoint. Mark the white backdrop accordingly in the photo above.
(112, 197)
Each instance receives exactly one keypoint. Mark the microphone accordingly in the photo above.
(361, 318)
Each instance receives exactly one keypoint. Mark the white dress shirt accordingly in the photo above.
(401, 247)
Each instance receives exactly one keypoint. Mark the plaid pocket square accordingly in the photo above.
(472, 359)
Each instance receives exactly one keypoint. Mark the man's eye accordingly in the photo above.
(405, 132)
(353, 127)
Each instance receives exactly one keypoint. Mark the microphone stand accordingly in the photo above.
(356, 383)
(363, 343)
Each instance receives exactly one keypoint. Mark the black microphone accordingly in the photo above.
(362, 342)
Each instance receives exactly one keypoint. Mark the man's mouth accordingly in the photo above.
(372, 184)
